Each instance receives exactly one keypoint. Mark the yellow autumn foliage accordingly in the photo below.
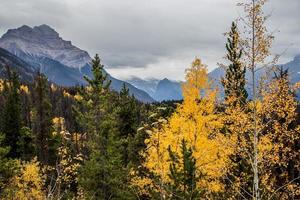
(27, 184)
(66, 94)
(1, 85)
(279, 108)
(24, 88)
(78, 97)
(197, 122)
(68, 161)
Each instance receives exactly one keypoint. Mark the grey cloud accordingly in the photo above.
(140, 34)
(14, 13)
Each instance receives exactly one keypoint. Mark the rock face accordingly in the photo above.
(43, 41)
(44, 50)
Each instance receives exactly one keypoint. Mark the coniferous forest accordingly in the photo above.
(222, 141)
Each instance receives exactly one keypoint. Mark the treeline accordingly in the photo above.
(59, 142)
(89, 142)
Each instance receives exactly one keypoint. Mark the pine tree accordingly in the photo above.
(100, 82)
(102, 174)
(12, 114)
(7, 165)
(26, 144)
(234, 81)
(184, 174)
(235, 100)
(42, 118)
(127, 123)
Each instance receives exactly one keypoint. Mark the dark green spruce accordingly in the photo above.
(42, 118)
(11, 117)
(234, 81)
(103, 175)
(184, 178)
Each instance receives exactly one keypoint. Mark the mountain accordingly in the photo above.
(148, 85)
(160, 90)
(293, 68)
(168, 90)
(171, 90)
(63, 63)
(25, 70)
(43, 41)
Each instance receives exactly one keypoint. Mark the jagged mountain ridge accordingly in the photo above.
(148, 85)
(43, 41)
(293, 68)
(160, 90)
(171, 90)
(64, 64)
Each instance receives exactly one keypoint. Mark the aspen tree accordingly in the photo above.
(256, 44)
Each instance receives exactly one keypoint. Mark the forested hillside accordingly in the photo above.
(91, 142)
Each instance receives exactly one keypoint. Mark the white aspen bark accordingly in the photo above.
(256, 191)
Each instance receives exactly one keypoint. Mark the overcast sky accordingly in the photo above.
(150, 38)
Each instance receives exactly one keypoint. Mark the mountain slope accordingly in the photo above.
(43, 41)
(148, 85)
(25, 70)
(171, 90)
(63, 63)
(168, 90)
(293, 68)
(160, 90)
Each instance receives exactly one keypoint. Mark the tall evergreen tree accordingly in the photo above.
(12, 114)
(102, 175)
(99, 82)
(236, 96)
(42, 117)
(234, 81)
(7, 165)
(127, 122)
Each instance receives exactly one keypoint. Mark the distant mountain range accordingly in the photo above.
(40, 48)
(159, 90)
(171, 90)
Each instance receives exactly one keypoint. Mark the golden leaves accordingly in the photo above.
(66, 94)
(28, 183)
(197, 122)
(24, 88)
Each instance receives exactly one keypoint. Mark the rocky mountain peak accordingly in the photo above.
(43, 41)
(45, 30)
